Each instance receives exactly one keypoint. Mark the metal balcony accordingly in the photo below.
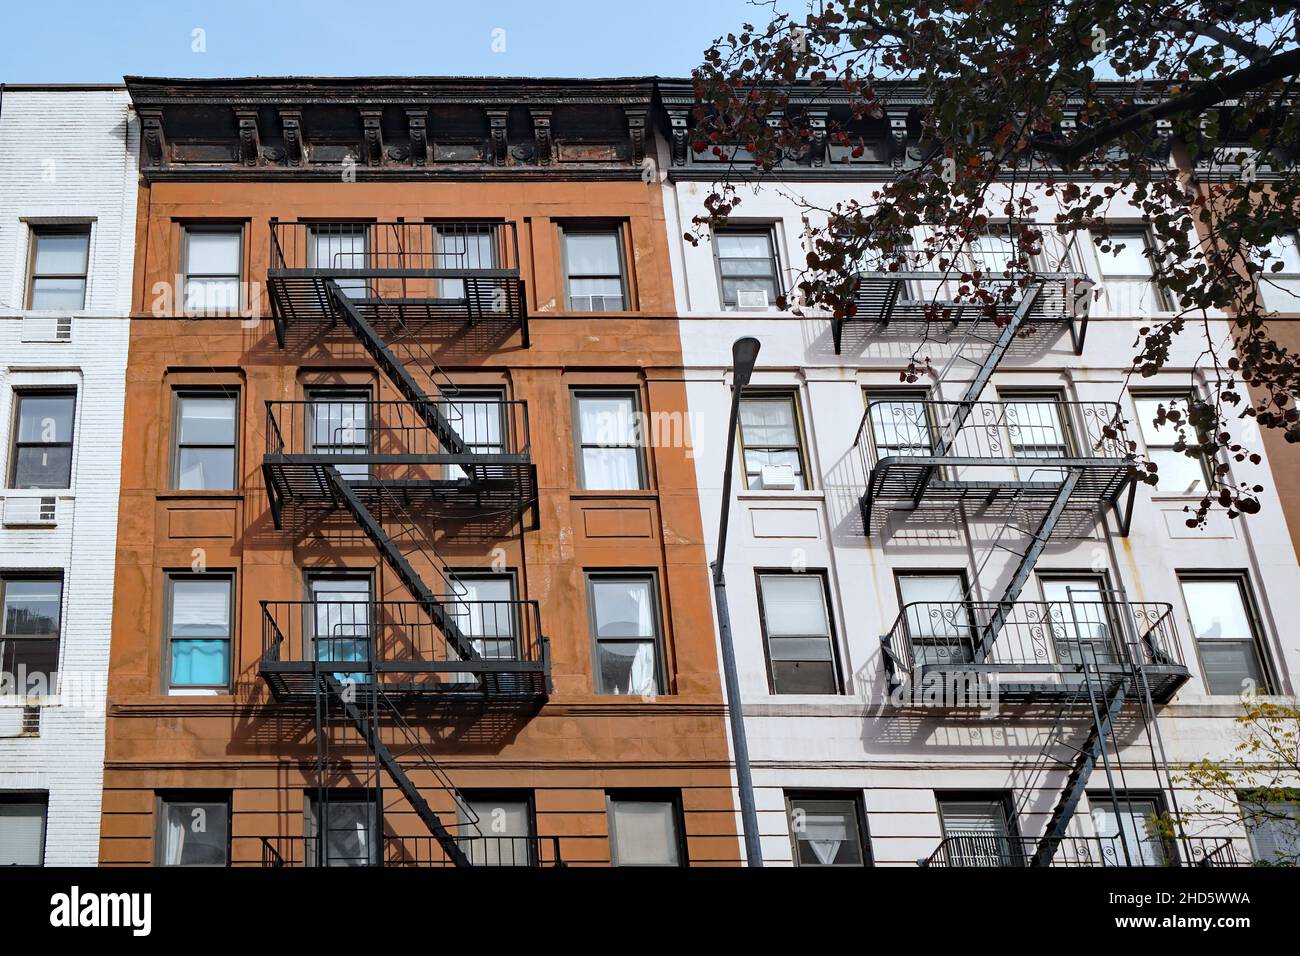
(489, 851)
(473, 461)
(442, 276)
(1038, 650)
(395, 648)
(918, 452)
(977, 849)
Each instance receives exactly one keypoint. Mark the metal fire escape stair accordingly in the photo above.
(368, 729)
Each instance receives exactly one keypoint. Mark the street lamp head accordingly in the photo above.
(744, 353)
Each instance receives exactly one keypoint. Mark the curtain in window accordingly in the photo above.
(645, 833)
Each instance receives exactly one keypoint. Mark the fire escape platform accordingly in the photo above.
(490, 297)
(500, 685)
(1054, 683)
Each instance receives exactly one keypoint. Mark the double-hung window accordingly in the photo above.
(644, 830)
(205, 441)
(503, 833)
(193, 829)
(826, 829)
(1177, 474)
(41, 451)
(900, 424)
(213, 257)
(1225, 628)
(339, 425)
(624, 616)
(596, 280)
(337, 246)
(29, 631)
(1128, 271)
(1279, 283)
(747, 268)
(22, 828)
(199, 630)
(771, 442)
(342, 830)
(797, 632)
(57, 273)
(610, 441)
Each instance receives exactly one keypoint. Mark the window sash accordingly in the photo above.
(643, 832)
(755, 452)
(591, 278)
(198, 646)
(189, 839)
(618, 450)
(737, 272)
(226, 480)
(22, 830)
(77, 277)
(627, 661)
(826, 831)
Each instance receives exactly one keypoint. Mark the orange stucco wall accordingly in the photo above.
(581, 743)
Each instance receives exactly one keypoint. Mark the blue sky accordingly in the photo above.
(57, 41)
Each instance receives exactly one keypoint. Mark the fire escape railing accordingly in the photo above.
(977, 849)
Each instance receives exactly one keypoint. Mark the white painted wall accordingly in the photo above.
(69, 153)
(896, 761)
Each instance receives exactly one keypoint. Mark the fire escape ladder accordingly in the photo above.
(988, 364)
(368, 728)
(433, 606)
(1104, 713)
(1025, 567)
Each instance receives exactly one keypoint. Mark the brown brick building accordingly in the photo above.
(400, 575)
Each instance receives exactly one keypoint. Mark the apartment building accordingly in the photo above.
(895, 546)
(67, 211)
(400, 580)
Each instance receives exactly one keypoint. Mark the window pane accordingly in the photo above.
(45, 418)
(64, 254)
(1129, 261)
(743, 245)
(200, 607)
(1144, 849)
(794, 605)
(608, 420)
(644, 833)
(1274, 832)
(501, 835)
(1285, 248)
(606, 288)
(195, 834)
(43, 467)
(206, 469)
(1036, 426)
(199, 663)
(32, 607)
(55, 294)
(1166, 434)
(22, 834)
(768, 421)
(592, 253)
(211, 295)
(826, 832)
(1231, 666)
(627, 667)
(900, 426)
(207, 420)
(623, 608)
(1217, 610)
(1177, 473)
(212, 253)
(611, 469)
(805, 676)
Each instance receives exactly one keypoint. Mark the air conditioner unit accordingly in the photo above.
(751, 299)
(47, 328)
(778, 477)
(28, 512)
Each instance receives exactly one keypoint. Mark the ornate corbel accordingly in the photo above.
(295, 146)
(817, 147)
(636, 132)
(250, 140)
(497, 124)
(1164, 138)
(898, 135)
(151, 134)
(373, 150)
(417, 121)
(680, 140)
(542, 136)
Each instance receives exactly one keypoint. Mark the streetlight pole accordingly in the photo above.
(744, 352)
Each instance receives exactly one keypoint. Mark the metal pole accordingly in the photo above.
(744, 352)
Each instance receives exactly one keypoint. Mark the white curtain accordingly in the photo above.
(825, 834)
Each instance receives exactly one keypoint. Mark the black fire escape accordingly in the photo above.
(402, 472)
(1039, 470)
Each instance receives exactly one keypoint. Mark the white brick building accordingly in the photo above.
(811, 595)
(67, 224)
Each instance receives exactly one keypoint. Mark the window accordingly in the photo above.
(199, 630)
(57, 272)
(1128, 273)
(503, 834)
(340, 245)
(1280, 291)
(1037, 429)
(797, 633)
(1130, 830)
(340, 621)
(747, 268)
(29, 631)
(484, 608)
(933, 604)
(826, 829)
(350, 832)
(478, 416)
(644, 830)
(1082, 626)
(609, 441)
(625, 625)
(979, 830)
(205, 441)
(593, 262)
(1177, 473)
(1224, 626)
(213, 256)
(900, 424)
(467, 246)
(771, 443)
(41, 454)
(1273, 828)
(22, 828)
(339, 424)
(194, 829)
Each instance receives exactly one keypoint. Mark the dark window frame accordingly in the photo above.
(1250, 605)
(992, 796)
(910, 572)
(9, 575)
(792, 395)
(169, 578)
(576, 394)
(1165, 396)
(166, 797)
(179, 394)
(831, 636)
(35, 231)
(217, 226)
(648, 795)
(768, 231)
(1101, 798)
(920, 394)
(590, 575)
(603, 227)
(511, 795)
(860, 816)
(51, 391)
(312, 799)
(32, 798)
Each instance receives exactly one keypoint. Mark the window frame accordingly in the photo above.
(1246, 593)
(831, 636)
(169, 608)
(7, 576)
(616, 228)
(1101, 799)
(769, 394)
(179, 394)
(899, 394)
(507, 795)
(768, 231)
(518, 626)
(964, 579)
(166, 797)
(994, 796)
(190, 227)
(592, 575)
(1151, 252)
(50, 391)
(576, 394)
(853, 797)
(673, 798)
(35, 231)
(39, 798)
(1165, 396)
(313, 798)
